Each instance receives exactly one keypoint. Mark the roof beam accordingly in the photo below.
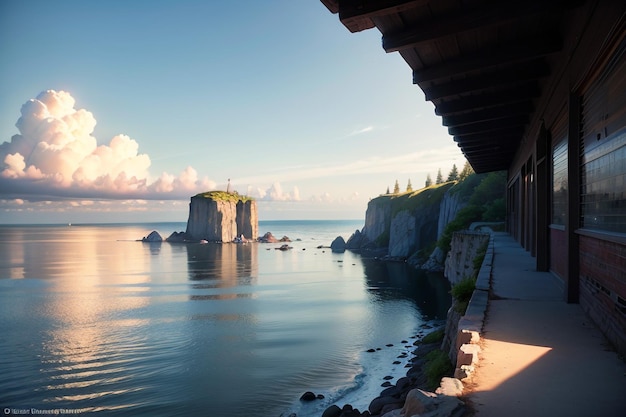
(511, 132)
(525, 72)
(522, 92)
(523, 50)
(479, 116)
(489, 126)
(500, 13)
(356, 15)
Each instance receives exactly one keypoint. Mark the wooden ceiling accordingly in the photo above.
(483, 64)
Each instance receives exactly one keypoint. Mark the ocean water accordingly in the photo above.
(95, 321)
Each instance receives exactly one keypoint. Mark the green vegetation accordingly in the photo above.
(462, 293)
(480, 257)
(224, 196)
(439, 179)
(454, 173)
(420, 199)
(433, 337)
(436, 367)
(486, 193)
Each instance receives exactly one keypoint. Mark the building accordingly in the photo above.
(537, 88)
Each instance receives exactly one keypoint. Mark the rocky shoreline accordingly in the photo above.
(392, 399)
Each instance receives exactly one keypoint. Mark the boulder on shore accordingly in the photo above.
(154, 236)
(338, 245)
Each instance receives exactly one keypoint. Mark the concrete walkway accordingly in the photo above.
(540, 356)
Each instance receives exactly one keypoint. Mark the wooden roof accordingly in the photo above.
(482, 63)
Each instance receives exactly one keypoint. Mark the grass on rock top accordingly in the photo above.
(224, 196)
(415, 200)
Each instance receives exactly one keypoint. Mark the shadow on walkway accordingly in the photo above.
(541, 356)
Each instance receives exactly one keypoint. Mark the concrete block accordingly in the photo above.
(450, 386)
(468, 355)
(477, 305)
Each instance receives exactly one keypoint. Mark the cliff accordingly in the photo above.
(402, 223)
(221, 216)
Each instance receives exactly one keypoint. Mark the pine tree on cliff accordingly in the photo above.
(439, 179)
(396, 188)
(466, 171)
(387, 190)
(429, 181)
(454, 173)
(409, 187)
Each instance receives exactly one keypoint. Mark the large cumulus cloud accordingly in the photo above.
(56, 154)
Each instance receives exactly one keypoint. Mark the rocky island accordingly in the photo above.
(220, 216)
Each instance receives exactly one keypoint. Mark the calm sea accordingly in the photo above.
(95, 321)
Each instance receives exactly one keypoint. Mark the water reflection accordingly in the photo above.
(397, 280)
(222, 265)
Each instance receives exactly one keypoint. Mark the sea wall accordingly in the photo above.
(464, 329)
(219, 216)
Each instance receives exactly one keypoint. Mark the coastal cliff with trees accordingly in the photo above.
(417, 226)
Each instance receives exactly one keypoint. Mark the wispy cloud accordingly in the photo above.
(420, 161)
(361, 131)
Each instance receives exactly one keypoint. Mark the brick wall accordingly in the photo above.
(603, 287)
(558, 253)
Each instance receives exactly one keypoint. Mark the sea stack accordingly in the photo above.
(222, 216)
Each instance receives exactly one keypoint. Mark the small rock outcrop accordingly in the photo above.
(177, 237)
(338, 245)
(435, 261)
(153, 237)
(268, 238)
(357, 241)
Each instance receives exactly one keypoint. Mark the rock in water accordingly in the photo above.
(268, 238)
(308, 396)
(338, 245)
(154, 236)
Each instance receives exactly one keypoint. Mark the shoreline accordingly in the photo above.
(390, 391)
(392, 396)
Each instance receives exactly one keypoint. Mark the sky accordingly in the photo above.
(120, 111)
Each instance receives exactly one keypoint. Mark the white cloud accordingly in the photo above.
(55, 154)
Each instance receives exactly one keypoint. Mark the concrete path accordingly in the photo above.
(541, 356)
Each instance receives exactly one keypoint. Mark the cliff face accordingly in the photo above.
(247, 219)
(221, 217)
(450, 205)
(404, 223)
(377, 219)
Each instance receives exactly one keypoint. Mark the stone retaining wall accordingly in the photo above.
(470, 327)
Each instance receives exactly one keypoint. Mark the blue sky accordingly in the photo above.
(138, 105)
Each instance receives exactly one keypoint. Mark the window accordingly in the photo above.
(603, 150)
(559, 183)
